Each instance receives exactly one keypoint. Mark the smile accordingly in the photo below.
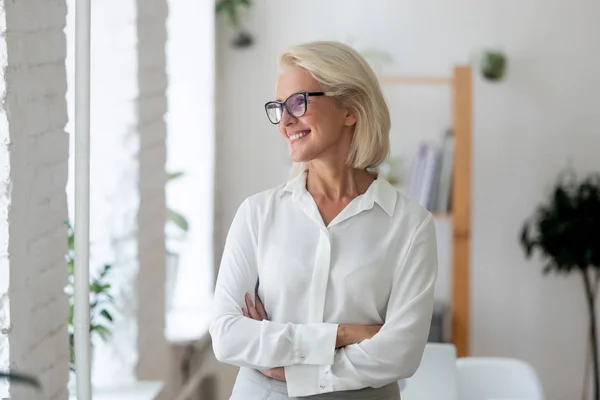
(298, 135)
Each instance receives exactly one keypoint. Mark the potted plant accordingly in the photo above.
(101, 299)
(566, 232)
(232, 9)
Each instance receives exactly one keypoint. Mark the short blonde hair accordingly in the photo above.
(343, 71)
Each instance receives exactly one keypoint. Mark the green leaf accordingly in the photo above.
(102, 331)
(106, 315)
(233, 17)
(15, 377)
(105, 270)
(177, 219)
(174, 175)
(222, 5)
(71, 314)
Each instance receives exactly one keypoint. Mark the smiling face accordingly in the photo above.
(325, 129)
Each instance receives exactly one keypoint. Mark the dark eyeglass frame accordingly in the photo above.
(283, 104)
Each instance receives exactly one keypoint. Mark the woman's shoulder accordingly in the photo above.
(410, 212)
(263, 199)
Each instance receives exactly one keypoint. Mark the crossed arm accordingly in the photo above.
(323, 357)
(346, 333)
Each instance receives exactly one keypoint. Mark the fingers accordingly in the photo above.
(251, 309)
(277, 373)
(372, 330)
(255, 311)
(260, 308)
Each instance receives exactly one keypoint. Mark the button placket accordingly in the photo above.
(320, 277)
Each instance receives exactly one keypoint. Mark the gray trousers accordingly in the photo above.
(252, 385)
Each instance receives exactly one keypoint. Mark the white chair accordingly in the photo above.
(435, 378)
(485, 378)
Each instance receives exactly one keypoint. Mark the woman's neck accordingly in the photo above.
(336, 182)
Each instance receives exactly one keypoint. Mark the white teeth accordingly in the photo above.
(298, 135)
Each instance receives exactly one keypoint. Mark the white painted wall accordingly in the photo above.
(525, 130)
(33, 205)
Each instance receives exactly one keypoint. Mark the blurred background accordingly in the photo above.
(179, 138)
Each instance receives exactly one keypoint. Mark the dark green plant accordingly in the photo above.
(493, 64)
(232, 9)
(101, 299)
(566, 232)
(25, 379)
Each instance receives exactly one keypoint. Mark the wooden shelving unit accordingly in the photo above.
(460, 83)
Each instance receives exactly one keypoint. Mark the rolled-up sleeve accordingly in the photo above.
(245, 342)
(395, 352)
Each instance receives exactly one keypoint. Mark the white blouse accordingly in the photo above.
(375, 263)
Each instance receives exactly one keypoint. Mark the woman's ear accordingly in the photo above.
(350, 118)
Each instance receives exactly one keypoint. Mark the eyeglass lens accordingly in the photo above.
(295, 104)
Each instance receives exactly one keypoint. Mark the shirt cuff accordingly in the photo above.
(315, 343)
(308, 380)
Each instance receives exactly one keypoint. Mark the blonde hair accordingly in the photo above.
(342, 71)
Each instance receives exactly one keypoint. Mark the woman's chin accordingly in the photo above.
(299, 156)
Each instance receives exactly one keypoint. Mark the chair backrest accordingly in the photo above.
(436, 377)
(483, 378)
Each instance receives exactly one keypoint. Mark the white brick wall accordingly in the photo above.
(152, 106)
(33, 207)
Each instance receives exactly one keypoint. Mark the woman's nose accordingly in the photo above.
(286, 118)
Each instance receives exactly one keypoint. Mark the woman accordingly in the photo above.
(346, 264)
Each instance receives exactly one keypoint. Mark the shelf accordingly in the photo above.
(415, 80)
(459, 218)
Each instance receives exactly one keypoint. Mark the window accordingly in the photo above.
(190, 150)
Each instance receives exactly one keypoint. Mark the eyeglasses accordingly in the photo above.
(295, 105)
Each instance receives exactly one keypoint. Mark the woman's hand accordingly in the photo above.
(277, 373)
(258, 313)
(351, 334)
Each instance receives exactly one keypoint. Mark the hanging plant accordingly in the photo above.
(492, 64)
(566, 232)
(232, 9)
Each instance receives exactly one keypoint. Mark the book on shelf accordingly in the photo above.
(430, 181)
